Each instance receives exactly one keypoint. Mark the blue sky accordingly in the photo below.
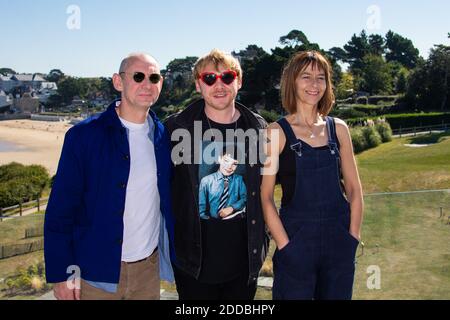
(35, 36)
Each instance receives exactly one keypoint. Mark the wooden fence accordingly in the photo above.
(21, 207)
(414, 130)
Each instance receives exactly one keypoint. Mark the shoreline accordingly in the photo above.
(35, 142)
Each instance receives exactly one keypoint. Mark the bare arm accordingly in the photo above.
(273, 147)
(352, 182)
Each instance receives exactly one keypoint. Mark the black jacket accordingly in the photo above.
(185, 186)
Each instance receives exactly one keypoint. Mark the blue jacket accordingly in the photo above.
(211, 189)
(84, 217)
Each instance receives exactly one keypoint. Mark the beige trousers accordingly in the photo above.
(138, 281)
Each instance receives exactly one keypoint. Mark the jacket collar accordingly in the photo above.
(194, 112)
(111, 118)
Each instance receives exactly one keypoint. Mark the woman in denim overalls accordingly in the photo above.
(317, 230)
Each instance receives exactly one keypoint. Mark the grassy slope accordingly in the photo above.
(405, 237)
(12, 231)
(394, 167)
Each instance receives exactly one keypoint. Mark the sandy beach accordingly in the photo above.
(35, 142)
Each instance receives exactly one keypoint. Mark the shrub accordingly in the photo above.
(269, 116)
(358, 139)
(28, 281)
(19, 183)
(385, 131)
(372, 136)
(386, 100)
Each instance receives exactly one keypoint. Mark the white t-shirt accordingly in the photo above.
(142, 210)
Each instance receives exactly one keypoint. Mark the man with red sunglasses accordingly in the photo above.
(217, 256)
(108, 218)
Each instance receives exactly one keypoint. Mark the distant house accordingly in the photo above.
(27, 104)
(44, 95)
(46, 90)
(5, 101)
(7, 83)
(34, 81)
(27, 83)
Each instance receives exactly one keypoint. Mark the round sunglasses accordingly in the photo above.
(209, 78)
(138, 77)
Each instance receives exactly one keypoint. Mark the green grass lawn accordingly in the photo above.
(406, 238)
(393, 167)
(12, 231)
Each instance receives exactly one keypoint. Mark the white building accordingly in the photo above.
(33, 81)
(7, 83)
(5, 100)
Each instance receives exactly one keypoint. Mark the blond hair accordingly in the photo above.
(217, 58)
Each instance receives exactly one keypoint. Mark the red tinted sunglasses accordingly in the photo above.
(209, 78)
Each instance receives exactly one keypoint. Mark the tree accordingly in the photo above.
(429, 83)
(337, 54)
(297, 40)
(252, 51)
(19, 183)
(55, 75)
(181, 64)
(55, 101)
(401, 49)
(71, 87)
(107, 87)
(178, 85)
(376, 75)
(6, 71)
(402, 80)
(346, 86)
(377, 44)
(357, 48)
(294, 38)
(252, 91)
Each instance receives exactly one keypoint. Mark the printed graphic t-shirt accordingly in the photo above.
(222, 203)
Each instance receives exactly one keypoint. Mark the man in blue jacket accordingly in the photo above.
(109, 217)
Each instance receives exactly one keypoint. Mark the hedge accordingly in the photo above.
(409, 120)
(383, 99)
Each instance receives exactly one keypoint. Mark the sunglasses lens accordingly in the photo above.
(155, 78)
(209, 78)
(138, 77)
(228, 77)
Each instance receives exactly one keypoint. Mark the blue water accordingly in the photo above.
(8, 147)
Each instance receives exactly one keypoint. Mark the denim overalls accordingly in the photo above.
(319, 260)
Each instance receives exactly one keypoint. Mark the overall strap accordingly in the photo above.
(294, 143)
(332, 137)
